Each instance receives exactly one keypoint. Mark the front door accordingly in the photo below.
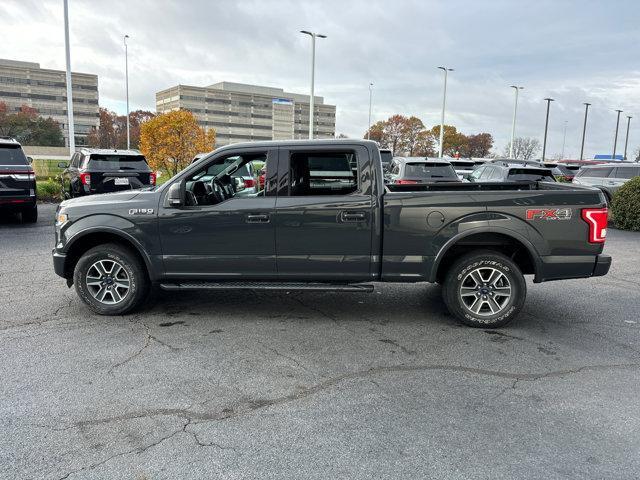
(225, 230)
(325, 214)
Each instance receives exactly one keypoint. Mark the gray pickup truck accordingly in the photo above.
(326, 221)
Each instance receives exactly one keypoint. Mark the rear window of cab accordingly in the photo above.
(116, 162)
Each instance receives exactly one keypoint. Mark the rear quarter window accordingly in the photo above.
(595, 172)
(12, 155)
(627, 172)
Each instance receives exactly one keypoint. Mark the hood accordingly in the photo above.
(104, 198)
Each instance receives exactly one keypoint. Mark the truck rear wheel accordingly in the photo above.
(484, 289)
(110, 279)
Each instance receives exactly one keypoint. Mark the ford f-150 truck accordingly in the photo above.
(325, 220)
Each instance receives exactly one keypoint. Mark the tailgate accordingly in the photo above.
(16, 181)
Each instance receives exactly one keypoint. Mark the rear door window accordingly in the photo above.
(597, 172)
(627, 172)
(109, 163)
(330, 173)
(12, 155)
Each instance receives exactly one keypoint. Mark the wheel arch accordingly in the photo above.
(504, 241)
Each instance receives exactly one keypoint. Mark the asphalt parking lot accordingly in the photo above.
(315, 385)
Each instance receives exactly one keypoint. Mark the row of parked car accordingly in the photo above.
(92, 171)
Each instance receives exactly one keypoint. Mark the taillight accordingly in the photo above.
(249, 182)
(85, 178)
(597, 220)
(406, 182)
(152, 178)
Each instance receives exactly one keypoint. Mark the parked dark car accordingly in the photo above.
(326, 221)
(608, 177)
(511, 172)
(92, 171)
(17, 181)
(417, 170)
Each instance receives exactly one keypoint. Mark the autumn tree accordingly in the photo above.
(524, 148)
(478, 145)
(112, 129)
(170, 140)
(29, 128)
(453, 141)
(402, 135)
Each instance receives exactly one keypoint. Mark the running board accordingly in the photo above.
(315, 287)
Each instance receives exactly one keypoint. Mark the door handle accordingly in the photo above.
(347, 216)
(257, 218)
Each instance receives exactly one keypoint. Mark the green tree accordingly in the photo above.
(29, 128)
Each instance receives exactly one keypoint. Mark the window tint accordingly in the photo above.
(488, 171)
(495, 175)
(331, 173)
(475, 175)
(530, 175)
(12, 155)
(429, 170)
(385, 157)
(597, 172)
(116, 162)
(627, 172)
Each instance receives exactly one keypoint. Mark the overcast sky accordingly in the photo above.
(574, 51)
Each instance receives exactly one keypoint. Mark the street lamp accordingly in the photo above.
(370, 98)
(444, 101)
(615, 138)
(513, 124)
(313, 73)
(626, 141)
(546, 127)
(584, 129)
(564, 138)
(70, 126)
(126, 74)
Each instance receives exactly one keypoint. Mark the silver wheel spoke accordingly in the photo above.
(468, 292)
(495, 276)
(476, 305)
(476, 277)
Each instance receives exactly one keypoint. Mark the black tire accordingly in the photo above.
(131, 268)
(30, 215)
(461, 279)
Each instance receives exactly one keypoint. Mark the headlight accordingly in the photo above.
(61, 218)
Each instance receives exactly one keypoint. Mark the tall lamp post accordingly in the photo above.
(313, 74)
(564, 138)
(444, 101)
(513, 123)
(370, 99)
(70, 126)
(546, 128)
(126, 74)
(584, 129)
(626, 140)
(615, 138)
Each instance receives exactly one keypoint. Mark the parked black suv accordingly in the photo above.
(103, 171)
(17, 181)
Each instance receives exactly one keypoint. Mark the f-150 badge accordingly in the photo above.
(549, 214)
(141, 211)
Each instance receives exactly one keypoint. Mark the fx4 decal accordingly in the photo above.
(549, 214)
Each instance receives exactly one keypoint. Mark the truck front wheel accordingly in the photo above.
(110, 279)
(484, 289)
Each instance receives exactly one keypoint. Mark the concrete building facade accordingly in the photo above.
(25, 83)
(244, 113)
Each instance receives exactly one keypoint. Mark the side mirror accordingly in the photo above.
(62, 165)
(174, 196)
(30, 159)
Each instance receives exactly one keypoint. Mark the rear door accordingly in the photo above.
(114, 173)
(16, 175)
(324, 213)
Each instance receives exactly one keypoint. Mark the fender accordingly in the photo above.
(122, 228)
(504, 231)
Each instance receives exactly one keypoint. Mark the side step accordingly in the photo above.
(315, 287)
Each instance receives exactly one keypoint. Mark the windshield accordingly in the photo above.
(108, 163)
(12, 155)
(429, 170)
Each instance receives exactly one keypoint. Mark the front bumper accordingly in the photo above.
(572, 266)
(59, 261)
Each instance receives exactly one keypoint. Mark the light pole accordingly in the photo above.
(126, 74)
(70, 126)
(370, 99)
(313, 74)
(546, 127)
(615, 138)
(513, 124)
(564, 138)
(444, 101)
(626, 140)
(584, 129)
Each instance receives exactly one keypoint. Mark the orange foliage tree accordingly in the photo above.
(171, 140)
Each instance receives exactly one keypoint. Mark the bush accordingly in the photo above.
(49, 191)
(626, 205)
